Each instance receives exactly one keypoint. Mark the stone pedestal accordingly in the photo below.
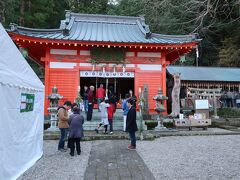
(160, 126)
(53, 119)
(159, 98)
(53, 109)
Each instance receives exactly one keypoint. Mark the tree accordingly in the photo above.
(7, 11)
(216, 21)
(89, 6)
(213, 20)
(230, 52)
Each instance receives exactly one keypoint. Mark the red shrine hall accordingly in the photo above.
(117, 51)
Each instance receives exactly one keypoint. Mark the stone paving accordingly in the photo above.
(193, 157)
(174, 157)
(113, 161)
(56, 165)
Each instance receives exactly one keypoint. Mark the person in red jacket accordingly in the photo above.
(111, 111)
(100, 95)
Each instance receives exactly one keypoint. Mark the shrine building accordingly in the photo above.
(225, 78)
(117, 51)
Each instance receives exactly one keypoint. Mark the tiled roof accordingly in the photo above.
(104, 28)
(192, 73)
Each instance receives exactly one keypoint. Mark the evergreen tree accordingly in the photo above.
(216, 21)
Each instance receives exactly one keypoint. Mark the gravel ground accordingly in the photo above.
(192, 157)
(56, 165)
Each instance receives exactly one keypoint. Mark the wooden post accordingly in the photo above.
(115, 85)
(215, 105)
(106, 83)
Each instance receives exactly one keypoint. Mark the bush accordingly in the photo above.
(168, 124)
(151, 124)
(228, 112)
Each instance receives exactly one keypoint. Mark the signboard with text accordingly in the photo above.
(27, 102)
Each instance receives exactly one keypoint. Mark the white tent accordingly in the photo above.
(21, 111)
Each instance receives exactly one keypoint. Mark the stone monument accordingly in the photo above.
(54, 98)
(175, 95)
(159, 98)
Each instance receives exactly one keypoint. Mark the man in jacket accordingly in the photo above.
(63, 123)
(90, 103)
(100, 95)
(131, 124)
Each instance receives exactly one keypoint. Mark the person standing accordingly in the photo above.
(100, 95)
(90, 103)
(85, 98)
(63, 123)
(76, 121)
(131, 124)
(125, 110)
(133, 97)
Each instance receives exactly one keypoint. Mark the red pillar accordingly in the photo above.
(47, 80)
(164, 85)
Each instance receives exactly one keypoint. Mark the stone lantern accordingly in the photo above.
(160, 98)
(54, 97)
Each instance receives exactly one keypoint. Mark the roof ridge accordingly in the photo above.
(185, 36)
(79, 15)
(109, 22)
(14, 27)
(217, 67)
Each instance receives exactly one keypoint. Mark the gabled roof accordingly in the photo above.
(104, 28)
(191, 73)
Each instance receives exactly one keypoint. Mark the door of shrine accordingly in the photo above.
(120, 86)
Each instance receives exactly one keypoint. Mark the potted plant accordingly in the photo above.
(151, 124)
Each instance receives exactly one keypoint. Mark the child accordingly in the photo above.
(104, 115)
(111, 111)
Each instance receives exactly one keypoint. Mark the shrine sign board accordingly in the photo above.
(201, 104)
(27, 102)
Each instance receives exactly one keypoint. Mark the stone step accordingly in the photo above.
(96, 116)
(91, 125)
(96, 119)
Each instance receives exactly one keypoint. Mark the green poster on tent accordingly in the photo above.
(27, 102)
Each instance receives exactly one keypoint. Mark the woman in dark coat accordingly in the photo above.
(75, 131)
(131, 124)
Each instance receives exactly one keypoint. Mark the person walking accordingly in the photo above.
(104, 116)
(63, 124)
(111, 111)
(76, 121)
(100, 94)
(90, 103)
(131, 125)
(125, 110)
